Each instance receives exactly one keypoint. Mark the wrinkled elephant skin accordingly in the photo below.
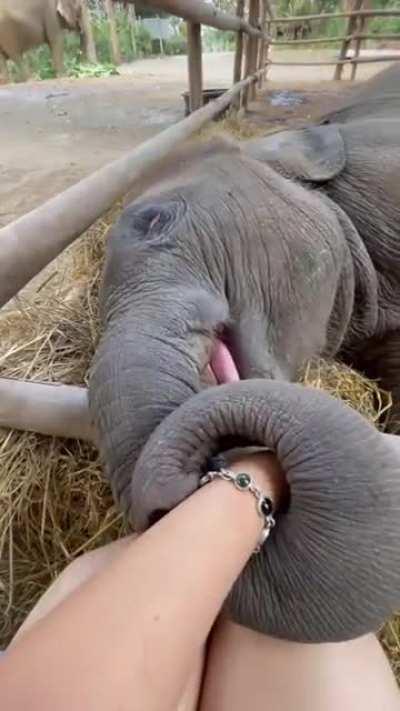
(250, 259)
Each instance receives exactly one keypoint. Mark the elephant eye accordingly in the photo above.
(151, 221)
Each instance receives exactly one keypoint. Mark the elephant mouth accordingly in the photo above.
(221, 368)
(234, 353)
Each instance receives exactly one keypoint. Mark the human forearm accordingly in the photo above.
(151, 610)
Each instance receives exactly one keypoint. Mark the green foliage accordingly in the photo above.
(337, 26)
(74, 68)
(40, 63)
(134, 40)
(307, 7)
(217, 40)
(385, 25)
(177, 45)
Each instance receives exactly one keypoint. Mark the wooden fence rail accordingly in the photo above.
(335, 40)
(336, 15)
(334, 62)
(356, 32)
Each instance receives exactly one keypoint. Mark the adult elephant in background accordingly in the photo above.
(243, 262)
(25, 24)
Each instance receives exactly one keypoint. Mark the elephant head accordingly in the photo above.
(221, 270)
(70, 12)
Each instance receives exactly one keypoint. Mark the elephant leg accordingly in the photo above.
(24, 68)
(4, 69)
(379, 359)
(57, 53)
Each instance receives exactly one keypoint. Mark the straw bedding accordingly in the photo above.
(54, 504)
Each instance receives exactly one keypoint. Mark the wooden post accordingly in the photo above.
(251, 53)
(238, 61)
(114, 43)
(348, 39)
(195, 66)
(360, 25)
(268, 43)
(262, 42)
(89, 46)
(254, 20)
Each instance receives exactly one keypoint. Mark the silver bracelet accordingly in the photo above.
(244, 482)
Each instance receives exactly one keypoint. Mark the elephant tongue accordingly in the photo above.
(222, 364)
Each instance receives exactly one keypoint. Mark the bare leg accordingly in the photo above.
(73, 577)
(246, 670)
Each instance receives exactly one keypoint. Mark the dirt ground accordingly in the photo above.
(52, 133)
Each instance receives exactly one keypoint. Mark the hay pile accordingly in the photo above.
(238, 128)
(54, 503)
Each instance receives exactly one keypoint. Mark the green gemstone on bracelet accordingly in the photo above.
(242, 481)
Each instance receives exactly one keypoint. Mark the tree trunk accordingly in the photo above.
(132, 26)
(114, 43)
(89, 46)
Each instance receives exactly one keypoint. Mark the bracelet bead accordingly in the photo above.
(244, 482)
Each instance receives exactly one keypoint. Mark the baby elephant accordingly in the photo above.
(242, 262)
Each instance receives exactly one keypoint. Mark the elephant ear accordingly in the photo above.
(69, 11)
(314, 154)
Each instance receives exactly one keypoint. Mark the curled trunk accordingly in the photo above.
(331, 569)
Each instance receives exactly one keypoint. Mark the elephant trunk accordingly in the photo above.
(330, 570)
(149, 361)
(132, 388)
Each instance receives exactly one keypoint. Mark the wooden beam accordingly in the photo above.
(195, 66)
(351, 25)
(337, 15)
(32, 241)
(114, 42)
(204, 13)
